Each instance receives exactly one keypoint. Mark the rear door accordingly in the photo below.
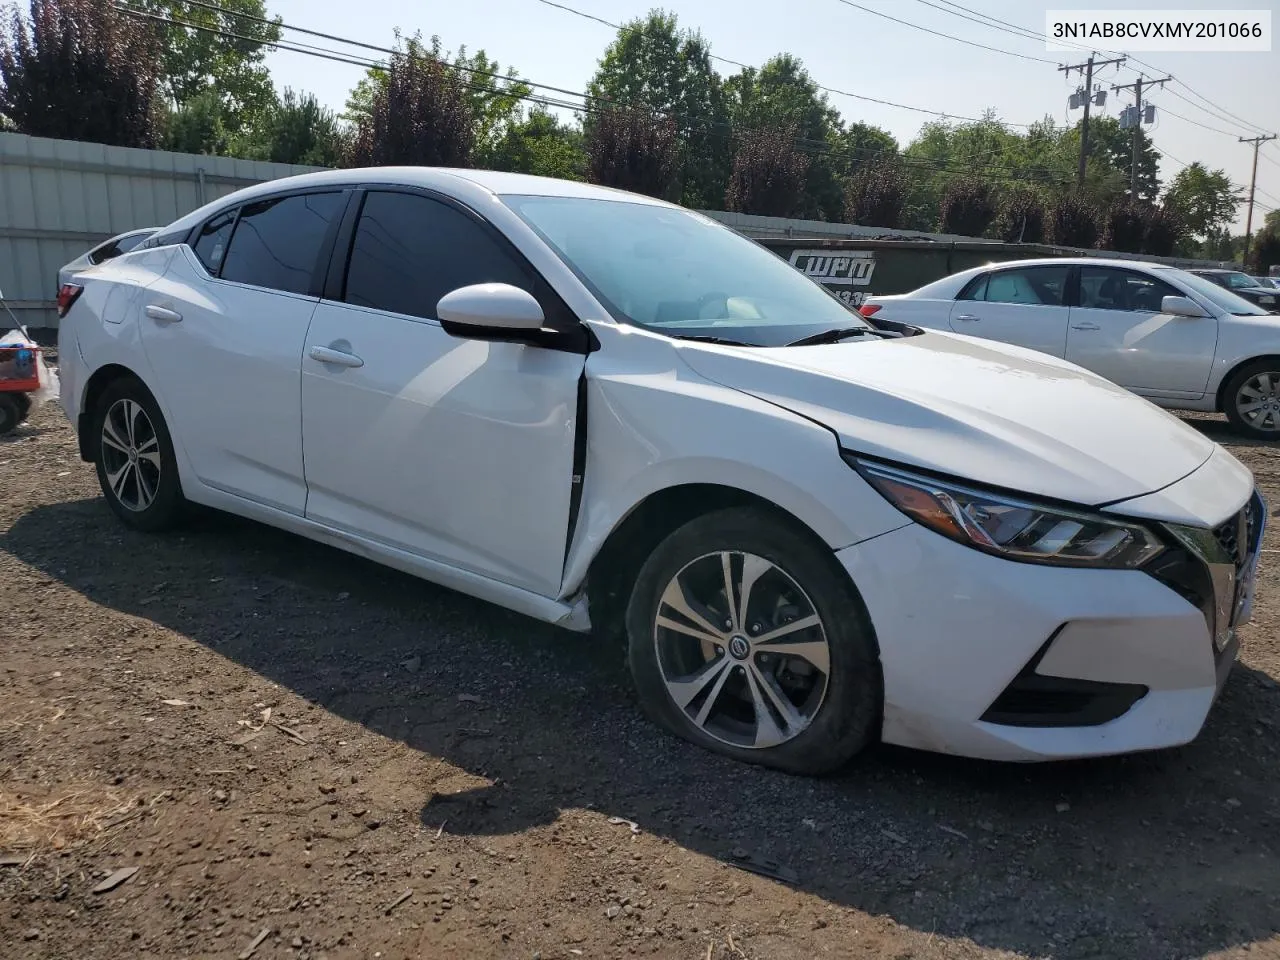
(223, 330)
(1118, 332)
(1025, 306)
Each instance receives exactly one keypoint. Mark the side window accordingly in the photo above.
(976, 290)
(211, 244)
(1105, 288)
(1038, 286)
(409, 251)
(277, 242)
(125, 244)
(105, 252)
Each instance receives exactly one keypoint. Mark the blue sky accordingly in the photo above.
(849, 49)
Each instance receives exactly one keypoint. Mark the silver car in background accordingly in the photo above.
(107, 250)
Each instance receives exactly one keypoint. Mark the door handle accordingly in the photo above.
(162, 314)
(1085, 326)
(968, 317)
(337, 357)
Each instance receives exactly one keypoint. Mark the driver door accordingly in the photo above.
(459, 451)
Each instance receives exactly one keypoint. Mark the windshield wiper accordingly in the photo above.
(722, 341)
(832, 336)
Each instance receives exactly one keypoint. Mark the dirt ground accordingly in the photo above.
(304, 755)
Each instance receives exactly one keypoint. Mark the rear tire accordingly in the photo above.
(1251, 400)
(133, 452)
(10, 414)
(736, 677)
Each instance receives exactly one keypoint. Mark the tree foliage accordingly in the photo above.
(632, 149)
(1124, 227)
(780, 96)
(768, 175)
(876, 194)
(1073, 221)
(1165, 229)
(541, 144)
(1020, 216)
(419, 113)
(652, 64)
(967, 207)
(296, 129)
(223, 60)
(80, 70)
(1204, 200)
(1264, 251)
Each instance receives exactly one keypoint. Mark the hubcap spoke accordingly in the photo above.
(753, 568)
(768, 732)
(730, 597)
(113, 439)
(130, 455)
(145, 491)
(705, 713)
(120, 479)
(813, 652)
(685, 691)
(675, 598)
(804, 623)
(130, 417)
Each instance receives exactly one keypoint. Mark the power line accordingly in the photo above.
(805, 145)
(944, 36)
(1203, 126)
(835, 90)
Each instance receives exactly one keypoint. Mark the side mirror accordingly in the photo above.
(490, 311)
(1181, 307)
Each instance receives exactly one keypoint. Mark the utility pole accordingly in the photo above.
(1136, 123)
(1088, 97)
(1253, 183)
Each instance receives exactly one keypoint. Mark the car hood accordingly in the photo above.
(983, 411)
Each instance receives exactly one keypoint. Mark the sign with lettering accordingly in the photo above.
(847, 274)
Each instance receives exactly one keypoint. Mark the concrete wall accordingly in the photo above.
(58, 198)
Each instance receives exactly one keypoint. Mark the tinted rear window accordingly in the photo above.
(277, 242)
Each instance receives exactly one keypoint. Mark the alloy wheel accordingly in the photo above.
(131, 455)
(742, 649)
(1258, 402)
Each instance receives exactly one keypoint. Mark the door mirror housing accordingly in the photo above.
(491, 311)
(1181, 307)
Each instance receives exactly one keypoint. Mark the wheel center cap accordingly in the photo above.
(133, 455)
(739, 648)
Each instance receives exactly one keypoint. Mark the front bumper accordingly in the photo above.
(1114, 661)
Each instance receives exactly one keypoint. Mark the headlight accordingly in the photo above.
(1011, 527)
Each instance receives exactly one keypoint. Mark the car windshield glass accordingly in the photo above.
(1239, 280)
(1223, 299)
(679, 273)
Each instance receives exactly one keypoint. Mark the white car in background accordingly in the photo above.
(812, 530)
(107, 250)
(1177, 339)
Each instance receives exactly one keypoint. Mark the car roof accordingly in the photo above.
(449, 180)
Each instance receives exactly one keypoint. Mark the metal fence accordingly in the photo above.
(58, 198)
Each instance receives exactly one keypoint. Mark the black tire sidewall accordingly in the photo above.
(167, 507)
(1232, 389)
(10, 414)
(851, 712)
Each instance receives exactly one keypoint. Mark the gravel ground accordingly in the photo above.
(304, 755)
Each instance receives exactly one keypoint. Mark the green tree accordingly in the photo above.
(655, 65)
(223, 60)
(198, 126)
(1165, 230)
(768, 174)
(967, 207)
(1204, 200)
(1020, 216)
(296, 129)
(1113, 147)
(540, 144)
(420, 114)
(876, 193)
(630, 148)
(1264, 253)
(781, 95)
(80, 70)
(1124, 227)
(1073, 221)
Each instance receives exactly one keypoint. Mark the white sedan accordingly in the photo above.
(811, 531)
(1166, 334)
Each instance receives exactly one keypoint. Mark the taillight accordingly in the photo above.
(68, 293)
(869, 309)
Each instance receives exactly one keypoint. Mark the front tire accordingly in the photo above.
(10, 414)
(137, 469)
(745, 637)
(1251, 400)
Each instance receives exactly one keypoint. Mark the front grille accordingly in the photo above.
(1228, 536)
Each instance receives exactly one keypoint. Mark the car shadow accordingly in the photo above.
(1152, 855)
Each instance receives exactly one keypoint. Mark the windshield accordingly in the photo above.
(1223, 299)
(681, 274)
